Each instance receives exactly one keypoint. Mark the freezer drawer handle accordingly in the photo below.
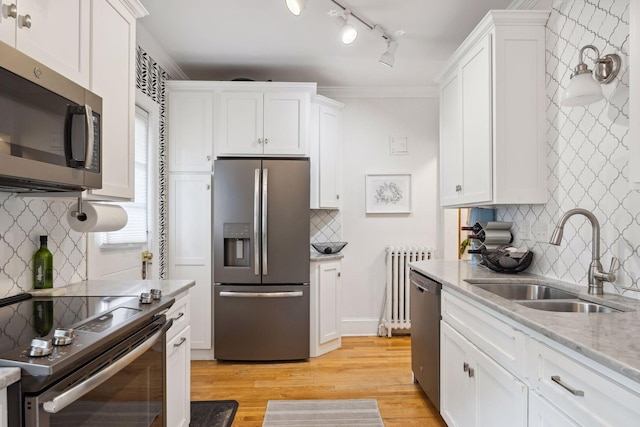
(291, 294)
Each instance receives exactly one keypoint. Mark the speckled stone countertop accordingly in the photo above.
(322, 257)
(611, 339)
(116, 288)
(8, 376)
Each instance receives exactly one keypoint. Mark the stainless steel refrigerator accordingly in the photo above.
(261, 259)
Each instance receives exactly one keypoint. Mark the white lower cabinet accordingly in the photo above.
(178, 364)
(544, 414)
(475, 390)
(325, 334)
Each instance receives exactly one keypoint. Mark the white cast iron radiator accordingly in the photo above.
(396, 313)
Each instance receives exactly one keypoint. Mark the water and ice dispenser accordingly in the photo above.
(237, 245)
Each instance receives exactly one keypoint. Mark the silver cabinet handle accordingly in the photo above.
(556, 379)
(266, 140)
(471, 372)
(265, 188)
(259, 140)
(12, 11)
(290, 294)
(337, 197)
(256, 216)
(65, 399)
(178, 316)
(26, 21)
(208, 158)
(182, 341)
(208, 186)
(465, 367)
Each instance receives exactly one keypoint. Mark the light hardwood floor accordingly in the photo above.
(364, 368)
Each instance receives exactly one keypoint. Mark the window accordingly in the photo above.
(135, 232)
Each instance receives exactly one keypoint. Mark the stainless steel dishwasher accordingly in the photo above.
(425, 334)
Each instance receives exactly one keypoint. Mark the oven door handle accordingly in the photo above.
(63, 400)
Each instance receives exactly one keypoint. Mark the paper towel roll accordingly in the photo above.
(100, 217)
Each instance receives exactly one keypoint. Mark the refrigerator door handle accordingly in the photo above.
(290, 294)
(265, 180)
(256, 218)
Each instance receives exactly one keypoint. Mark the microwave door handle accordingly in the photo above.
(72, 110)
(89, 137)
(256, 223)
(265, 182)
(65, 399)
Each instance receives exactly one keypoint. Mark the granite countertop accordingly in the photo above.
(611, 339)
(315, 256)
(116, 288)
(8, 376)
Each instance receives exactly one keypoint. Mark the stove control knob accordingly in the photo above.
(156, 293)
(145, 298)
(40, 347)
(62, 336)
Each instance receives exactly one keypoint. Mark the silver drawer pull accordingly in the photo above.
(178, 316)
(465, 367)
(182, 340)
(556, 379)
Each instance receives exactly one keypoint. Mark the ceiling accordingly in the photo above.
(262, 40)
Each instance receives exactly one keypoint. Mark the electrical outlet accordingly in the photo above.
(524, 229)
(540, 231)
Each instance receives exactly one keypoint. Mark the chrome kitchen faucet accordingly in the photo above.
(596, 275)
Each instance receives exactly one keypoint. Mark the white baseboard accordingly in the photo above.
(359, 326)
(202, 355)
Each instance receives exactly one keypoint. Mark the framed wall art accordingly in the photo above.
(388, 193)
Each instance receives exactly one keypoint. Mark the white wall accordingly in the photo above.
(368, 125)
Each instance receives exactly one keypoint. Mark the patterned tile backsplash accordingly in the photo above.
(587, 156)
(22, 221)
(325, 226)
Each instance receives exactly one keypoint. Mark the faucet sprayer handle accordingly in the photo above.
(615, 265)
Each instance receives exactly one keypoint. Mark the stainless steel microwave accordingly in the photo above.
(50, 128)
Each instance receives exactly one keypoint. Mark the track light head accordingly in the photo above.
(296, 7)
(389, 57)
(348, 32)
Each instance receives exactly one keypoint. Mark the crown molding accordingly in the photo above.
(149, 44)
(529, 4)
(136, 8)
(379, 91)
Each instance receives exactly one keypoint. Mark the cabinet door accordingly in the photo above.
(329, 302)
(58, 36)
(450, 140)
(501, 399)
(179, 379)
(457, 386)
(544, 414)
(113, 38)
(240, 125)
(286, 115)
(190, 131)
(190, 247)
(329, 148)
(477, 164)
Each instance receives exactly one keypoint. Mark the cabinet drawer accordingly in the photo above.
(500, 341)
(180, 314)
(586, 395)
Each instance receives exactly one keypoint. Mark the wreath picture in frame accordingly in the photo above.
(388, 193)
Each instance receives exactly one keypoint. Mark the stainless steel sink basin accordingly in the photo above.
(525, 291)
(569, 306)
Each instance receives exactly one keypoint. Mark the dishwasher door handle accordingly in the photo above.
(290, 294)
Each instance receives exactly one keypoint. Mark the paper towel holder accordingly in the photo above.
(81, 216)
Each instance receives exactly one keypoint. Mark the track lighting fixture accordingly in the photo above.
(389, 57)
(348, 33)
(296, 6)
(584, 86)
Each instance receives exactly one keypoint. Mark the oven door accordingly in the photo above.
(123, 386)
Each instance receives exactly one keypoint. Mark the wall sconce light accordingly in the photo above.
(296, 6)
(584, 86)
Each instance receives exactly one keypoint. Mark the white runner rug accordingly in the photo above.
(334, 413)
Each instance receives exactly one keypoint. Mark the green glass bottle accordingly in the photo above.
(43, 266)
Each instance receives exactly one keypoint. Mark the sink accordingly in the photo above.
(525, 291)
(569, 306)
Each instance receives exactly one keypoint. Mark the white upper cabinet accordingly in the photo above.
(492, 137)
(55, 33)
(325, 137)
(190, 128)
(113, 49)
(262, 119)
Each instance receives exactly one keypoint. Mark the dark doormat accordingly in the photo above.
(213, 413)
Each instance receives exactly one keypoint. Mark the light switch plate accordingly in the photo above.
(540, 231)
(524, 229)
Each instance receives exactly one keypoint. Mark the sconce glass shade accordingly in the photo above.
(296, 6)
(582, 90)
(389, 57)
